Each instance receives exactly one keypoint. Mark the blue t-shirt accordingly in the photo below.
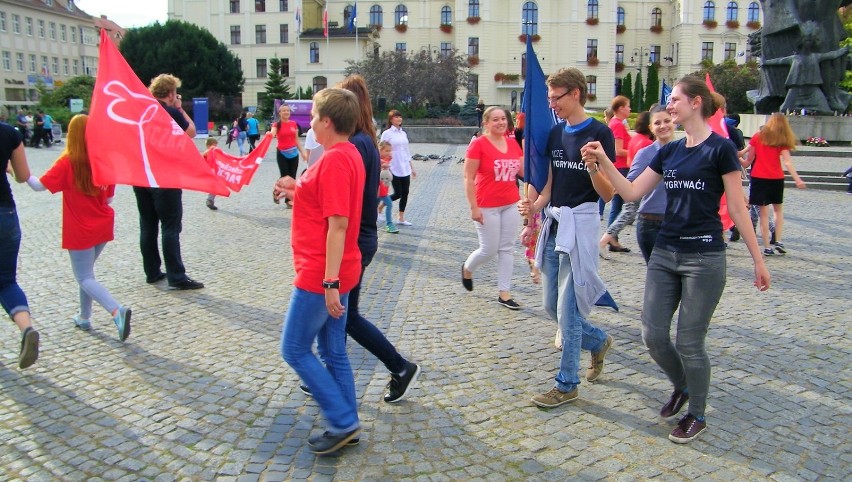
(48, 121)
(655, 201)
(368, 239)
(572, 184)
(693, 180)
(252, 126)
(10, 139)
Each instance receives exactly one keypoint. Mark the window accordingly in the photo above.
(709, 11)
(400, 15)
(49, 3)
(2, 21)
(235, 6)
(75, 67)
(7, 61)
(259, 5)
(656, 17)
(54, 65)
(619, 16)
(400, 47)
(446, 49)
(282, 6)
(753, 12)
(235, 34)
(592, 9)
(314, 53)
(320, 83)
(591, 48)
(260, 34)
(707, 51)
(29, 24)
(619, 54)
(473, 11)
(41, 28)
(63, 33)
(656, 55)
(88, 36)
(732, 13)
(529, 19)
(446, 15)
(52, 30)
(261, 69)
(44, 65)
(618, 85)
(592, 85)
(16, 23)
(285, 67)
(472, 83)
(375, 16)
(32, 63)
(284, 33)
(73, 31)
(730, 51)
(90, 66)
(19, 61)
(473, 46)
(65, 68)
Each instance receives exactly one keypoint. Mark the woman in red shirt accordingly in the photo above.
(770, 147)
(620, 106)
(288, 151)
(491, 167)
(87, 224)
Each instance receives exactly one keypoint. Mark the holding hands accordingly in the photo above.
(285, 188)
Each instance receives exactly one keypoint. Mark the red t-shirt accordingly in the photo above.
(287, 132)
(333, 186)
(497, 174)
(767, 160)
(637, 143)
(616, 125)
(87, 221)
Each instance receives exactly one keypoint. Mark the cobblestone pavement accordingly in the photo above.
(199, 390)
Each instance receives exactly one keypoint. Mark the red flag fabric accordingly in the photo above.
(237, 172)
(325, 23)
(717, 124)
(131, 138)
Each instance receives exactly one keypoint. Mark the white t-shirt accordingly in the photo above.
(312, 145)
(401, 160)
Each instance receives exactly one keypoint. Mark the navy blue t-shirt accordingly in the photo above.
(692, 177)
(10, 139)
(368, 239)
(572, 184)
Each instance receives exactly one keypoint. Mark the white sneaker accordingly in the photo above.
(403, 223)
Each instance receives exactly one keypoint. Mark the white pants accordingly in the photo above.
(497, 238)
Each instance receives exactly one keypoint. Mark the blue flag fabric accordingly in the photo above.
(353, 18)
(539, 119)
(665, 93)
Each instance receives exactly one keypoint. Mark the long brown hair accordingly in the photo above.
(358, 86)
(75, 149)
(778, 133)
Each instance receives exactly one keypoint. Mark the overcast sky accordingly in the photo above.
(127, 14)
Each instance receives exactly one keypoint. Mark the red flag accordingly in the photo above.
(717, 124)
(237, 172)
(325, 23)
(133, 140)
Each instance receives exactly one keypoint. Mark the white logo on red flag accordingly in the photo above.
(237, 172)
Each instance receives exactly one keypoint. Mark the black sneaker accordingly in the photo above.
(399, 385)
(29, 348)
(305, 389)
(735, 234)
(156, 279)
(768, 252)
(780, 248)
(187, 284)
(510, 303)
(329, 443)
(687, 429)
(212, 206)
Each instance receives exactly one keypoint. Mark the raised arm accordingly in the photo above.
(596, 159)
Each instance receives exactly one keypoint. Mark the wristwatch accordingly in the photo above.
(331, 284)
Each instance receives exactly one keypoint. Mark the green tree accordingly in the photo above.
(627, 86)
(275, 89)
(189, 52)
(846, 18)
(652, 89)
(55, 102)
(733, 80)
(306, 93)
(638, 100)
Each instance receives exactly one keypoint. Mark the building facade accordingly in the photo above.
(43, 42)
(606, 39)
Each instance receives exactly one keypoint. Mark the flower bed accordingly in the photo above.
(816, 142)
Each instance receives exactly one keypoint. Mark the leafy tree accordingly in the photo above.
(733, 80)
(652, 91)
(275, 89)
(187, 51)
(638, 100)
(846, 18)
(55, 102)
(306, 93)
(627, 86)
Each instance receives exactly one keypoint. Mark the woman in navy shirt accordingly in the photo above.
(687, 265)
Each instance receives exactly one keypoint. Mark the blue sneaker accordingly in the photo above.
(391, 228)
(122, 321)
(82, 323)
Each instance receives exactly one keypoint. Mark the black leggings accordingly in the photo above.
(287, 166)
(400, 191)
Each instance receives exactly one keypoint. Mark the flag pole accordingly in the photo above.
(355, 24)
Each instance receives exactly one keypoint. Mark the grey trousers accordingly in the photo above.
(83, 266)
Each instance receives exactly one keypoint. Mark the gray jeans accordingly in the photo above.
(695, 282)
(83, 266)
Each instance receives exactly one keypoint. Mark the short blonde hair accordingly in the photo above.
(340, 106)
(163, 85)
(211, 141)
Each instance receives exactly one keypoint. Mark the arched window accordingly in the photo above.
(732, 13)
(320, 83)
(347, 15)
(592, 9)
(619, 16)
(400, 15)
(314, 56)
(656, 17)
(473, 8)
(753, 12)
(709, 11)
(446, 15)
(529, 19)
(376, 16)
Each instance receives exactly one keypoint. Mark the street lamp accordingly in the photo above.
(640, 58)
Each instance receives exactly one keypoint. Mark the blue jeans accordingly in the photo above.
(160, 206)
(367, 335)
(386, 200)
(691, 283)
(332, 385)
(646, 235)
(12, 297)
(560, 303)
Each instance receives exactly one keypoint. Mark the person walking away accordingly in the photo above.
(241, 124)
(620, 106)
(252, 130)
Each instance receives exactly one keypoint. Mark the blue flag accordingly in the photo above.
(539, 119)
(353, 18)
(665, 93)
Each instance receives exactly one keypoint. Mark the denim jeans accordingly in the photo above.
(241, 142)
(332, 385)
(12, 297)
(83, 266)
(160, 207)
(693, 282)
(386, 200)
(367, 335)
(560, 303)
(646, 235)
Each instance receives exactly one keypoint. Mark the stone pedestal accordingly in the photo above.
(833, 129)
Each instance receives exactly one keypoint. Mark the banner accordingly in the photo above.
(237, 172)
(200, 116)
(665, 93)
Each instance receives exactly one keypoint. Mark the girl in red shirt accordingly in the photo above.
(87, 224)
(620, 106)
(770, 147)
(491, 167)
(288, 150)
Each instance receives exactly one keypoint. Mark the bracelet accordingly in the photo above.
(590, 171)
